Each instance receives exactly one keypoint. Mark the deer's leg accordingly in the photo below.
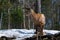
(41, 30)
(35, 27)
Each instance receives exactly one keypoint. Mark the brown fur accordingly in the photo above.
(39, 21)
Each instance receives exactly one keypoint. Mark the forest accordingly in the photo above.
(13, 16)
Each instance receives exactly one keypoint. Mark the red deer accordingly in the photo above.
(38, 19)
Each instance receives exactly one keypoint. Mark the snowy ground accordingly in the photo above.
(23, 33)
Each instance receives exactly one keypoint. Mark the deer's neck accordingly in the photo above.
(33, 13)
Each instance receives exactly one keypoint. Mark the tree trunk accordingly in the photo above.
(9, 18)
(24, 14)
(39, 6)
(36, 6)
(1, 20)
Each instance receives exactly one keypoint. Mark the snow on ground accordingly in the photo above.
(17, 33)
(24, 33)
(48, 32)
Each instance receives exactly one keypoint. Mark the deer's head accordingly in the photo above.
(29, 5)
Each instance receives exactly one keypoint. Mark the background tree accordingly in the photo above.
(7, 9)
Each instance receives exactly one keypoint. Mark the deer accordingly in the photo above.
(38, 19)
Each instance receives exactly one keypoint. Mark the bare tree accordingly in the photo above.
(39, 5)
(24, 14)
(1, 20)
(9, 18)
(9, 15)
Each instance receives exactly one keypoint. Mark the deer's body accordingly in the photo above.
(39, 21)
